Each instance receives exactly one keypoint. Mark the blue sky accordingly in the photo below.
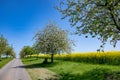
(21, 19)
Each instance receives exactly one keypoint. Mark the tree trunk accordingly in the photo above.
(37, 55)
(6, 56)
(52, 58)
(45, 60)
(0, 58)
(30, 55)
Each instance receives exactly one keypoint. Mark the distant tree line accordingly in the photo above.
(5, 48)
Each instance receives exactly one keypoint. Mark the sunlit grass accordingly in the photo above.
(4, 61)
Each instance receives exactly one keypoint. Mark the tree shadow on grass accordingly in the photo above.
(38, 65)
(95, 74)
(29, 59)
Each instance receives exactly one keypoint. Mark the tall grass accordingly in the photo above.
(112, 58)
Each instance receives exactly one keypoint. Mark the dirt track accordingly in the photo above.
(14, 71)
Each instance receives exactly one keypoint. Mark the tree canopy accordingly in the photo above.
(27, 51)
(9, 51)
(99, 18)
(3, 45)
(52, 40)
(5, 48)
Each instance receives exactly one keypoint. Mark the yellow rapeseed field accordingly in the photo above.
(111, 57)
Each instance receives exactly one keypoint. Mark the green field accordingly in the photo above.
(4, 61)
(70, 70)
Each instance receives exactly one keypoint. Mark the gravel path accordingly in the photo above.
(14, 71)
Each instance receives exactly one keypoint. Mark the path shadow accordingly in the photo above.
(38, 65)
(18, 67)
(29, 59)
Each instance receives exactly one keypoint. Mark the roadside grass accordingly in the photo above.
(69, 70)
(4, 61)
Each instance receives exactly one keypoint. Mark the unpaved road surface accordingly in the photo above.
(14, 71)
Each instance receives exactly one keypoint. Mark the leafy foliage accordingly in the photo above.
(26, 51)
(98, 18)
(5, 49)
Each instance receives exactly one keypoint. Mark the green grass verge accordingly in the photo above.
(76, 70)
(4, 61)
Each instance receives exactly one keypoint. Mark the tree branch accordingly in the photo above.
(116, 3)
(102, 5)
(113, 18)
